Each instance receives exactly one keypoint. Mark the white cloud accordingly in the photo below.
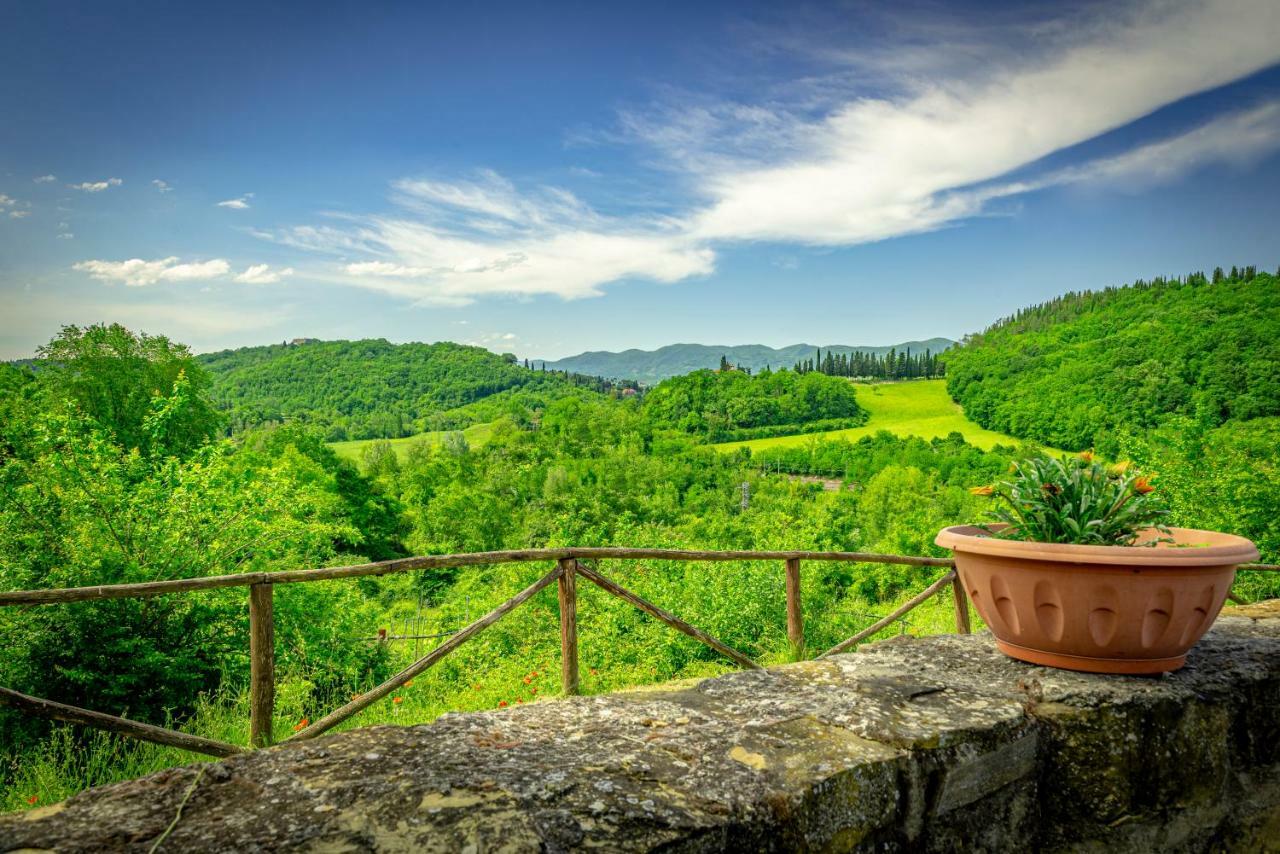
(66, 235)
(45, 179)
(136, 272)
(952, 120)
(96, 186)
(239, 204)
(7, 201)
(19, 214)
(262, 274)
(161, 186)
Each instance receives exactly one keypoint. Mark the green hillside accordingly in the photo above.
(1072, 371)
(372, 388)
(919, 408)
(652, 366)
(476, 434)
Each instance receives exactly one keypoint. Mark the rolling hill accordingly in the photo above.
(1071, 371)
(653, 366)
(375, 389)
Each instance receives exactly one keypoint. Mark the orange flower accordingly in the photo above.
(409, 684)
(982, 490)
(1121, 467)
(595, 672)
(527, 680)
(1142, 486)
(397, 700)
(302, 724)
(519, 702)
(535, 673)
(502, 704)
(533, 690)
(476, 687)
(32, 800)
(1086, 456)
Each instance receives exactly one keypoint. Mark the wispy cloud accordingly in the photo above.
(45, 179)
(96, 186)
(240, 204)
(19, 214)
(161, 186)
(835, 166)
(262, 274)
(136, 272)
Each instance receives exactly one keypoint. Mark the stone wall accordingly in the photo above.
(934, 744)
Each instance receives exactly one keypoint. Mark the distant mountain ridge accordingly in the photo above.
(652, 366)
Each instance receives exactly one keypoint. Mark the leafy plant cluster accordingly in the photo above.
(1075, 371)
(1076, 500)
(731, 404)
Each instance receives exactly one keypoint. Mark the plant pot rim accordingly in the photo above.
(1207, 548)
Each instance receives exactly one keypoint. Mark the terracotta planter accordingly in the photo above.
(1101, 609)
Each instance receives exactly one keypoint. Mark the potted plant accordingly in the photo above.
(1079, 571)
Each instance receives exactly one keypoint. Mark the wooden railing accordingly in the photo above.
(571, 564)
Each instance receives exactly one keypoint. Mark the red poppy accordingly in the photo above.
(32, 800)
(397, 700)
(527, 680)
(302, 724)
(502, 704)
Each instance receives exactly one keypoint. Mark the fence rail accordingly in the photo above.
(570, 564)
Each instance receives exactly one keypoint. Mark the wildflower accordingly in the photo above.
(1120, 468)
(519, 702)
(475, 687)
(409, 684)
(397, 700)
(595, 672)
(1050, 489)
(32, 800)
(527, 680)
(1086, 456)
(982, 490)
(533, 690)
(1142, 486)
(302, 724)
(502, 704)
(535, 674)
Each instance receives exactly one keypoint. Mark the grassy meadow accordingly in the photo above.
(476, 434)
(916, 408)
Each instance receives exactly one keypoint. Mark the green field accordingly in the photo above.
(476, 434)
(916, 408)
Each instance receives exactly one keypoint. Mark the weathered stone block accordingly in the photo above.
(933, 744)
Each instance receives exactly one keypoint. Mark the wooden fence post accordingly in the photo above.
(568, 589)
(262, 664)
(961, 601)
(795, 615)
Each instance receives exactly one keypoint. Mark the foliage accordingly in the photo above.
(728, 404)
(1075, 500)
(146, 391)
(374, 389)
(1074, 370)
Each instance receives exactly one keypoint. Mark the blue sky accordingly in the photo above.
(550, 178)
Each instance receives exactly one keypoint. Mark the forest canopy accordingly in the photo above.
(1073, 371)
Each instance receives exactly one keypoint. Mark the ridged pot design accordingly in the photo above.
(1100, 609)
